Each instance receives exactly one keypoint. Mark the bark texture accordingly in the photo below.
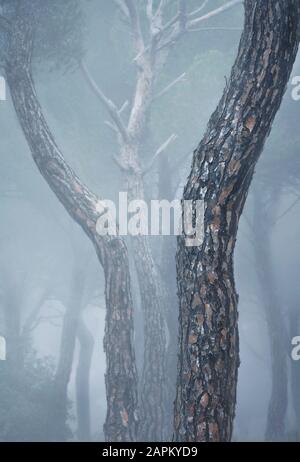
(221, 173)
(81, 204)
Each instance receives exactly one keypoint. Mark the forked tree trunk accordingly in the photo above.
(86, 343)
(81, 204)
(263, 224)
(221, 173)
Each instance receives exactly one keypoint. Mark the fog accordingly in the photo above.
(42, 248)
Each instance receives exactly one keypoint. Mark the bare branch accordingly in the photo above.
(159, 151)
(199, 29)
(149, 9)
(182, 18)
(110, 106)
(171, 85)
(111, 126)
(294, 203)
(160, 8)
(122, 165)
(194, 22)
(123, 107)
(136, 27)
(198, 10)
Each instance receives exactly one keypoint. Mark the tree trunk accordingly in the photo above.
(86, 342)
(12, 319)
(168, 275)
(221, 173)
(81, 204)
(58, 411)
(151, 426)
(263, 223)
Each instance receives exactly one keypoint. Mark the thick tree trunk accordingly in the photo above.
(86, 342)
(263, 223)
(221, 173)
(81, 204)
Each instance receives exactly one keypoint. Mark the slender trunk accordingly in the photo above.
(153, 377)
(263, 224)
(168, 275)
(12, 318)
(86, 342)
(221, 174)
(81, 204)
(153, 383)
(58, 412)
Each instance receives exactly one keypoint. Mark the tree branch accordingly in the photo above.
(181, 23)
(168, 87)
(199, 29)
(294, 203)
(110, 106)
(136, 27)
(159, 151)
(194, 22)
(198, 10)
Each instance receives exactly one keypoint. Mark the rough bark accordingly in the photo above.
(222, 169)
(263, 224)
(86, 342)
(81, 204)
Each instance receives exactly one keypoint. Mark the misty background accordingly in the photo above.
(41, 247)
